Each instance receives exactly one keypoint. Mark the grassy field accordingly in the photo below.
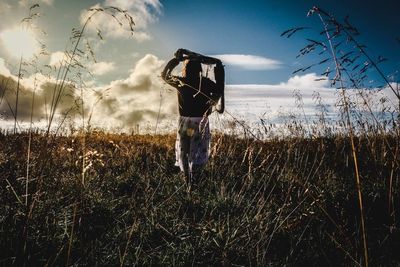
(118, 200)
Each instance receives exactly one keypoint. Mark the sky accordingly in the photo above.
(245, 35)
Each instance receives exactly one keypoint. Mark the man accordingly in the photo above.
(196, 97)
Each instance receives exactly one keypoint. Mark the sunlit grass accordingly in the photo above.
(274, 202)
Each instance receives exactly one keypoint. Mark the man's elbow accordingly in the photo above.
(164, 75)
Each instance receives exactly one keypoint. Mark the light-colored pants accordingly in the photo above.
(192, 146)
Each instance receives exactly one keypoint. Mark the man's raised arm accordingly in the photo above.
(166, 73)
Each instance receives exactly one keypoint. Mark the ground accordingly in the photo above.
(111, 199)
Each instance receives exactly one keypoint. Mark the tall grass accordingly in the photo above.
(70, 68)
(351, 63)
(276, 202)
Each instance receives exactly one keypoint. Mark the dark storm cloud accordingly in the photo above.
(140, 98)
(41, 100)
(136, 100)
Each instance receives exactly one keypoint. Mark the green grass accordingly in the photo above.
(279, 202)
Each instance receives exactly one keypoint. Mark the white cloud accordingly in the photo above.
(56, 58)
(43, 95)
(251, 62)
(143, 12)
(48, 2)
(253, 100)
(135, 55)
(121, 103)
(3, 69)
(309, 81)
(4, 7)
(19, 41)
(134, 100)
(142, 36)
(28, 3)
(101, 68)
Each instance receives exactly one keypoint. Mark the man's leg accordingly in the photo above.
(196, 173)
(184, 153)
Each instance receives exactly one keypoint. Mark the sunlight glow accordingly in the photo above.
(19, 42)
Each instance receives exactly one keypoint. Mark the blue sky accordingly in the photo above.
(245, 34)
(229, 27)
(254, 28)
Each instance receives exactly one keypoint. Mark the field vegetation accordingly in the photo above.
(279, 202)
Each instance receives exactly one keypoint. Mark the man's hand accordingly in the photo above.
(179, 54)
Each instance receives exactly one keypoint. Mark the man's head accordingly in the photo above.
(191, 69)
